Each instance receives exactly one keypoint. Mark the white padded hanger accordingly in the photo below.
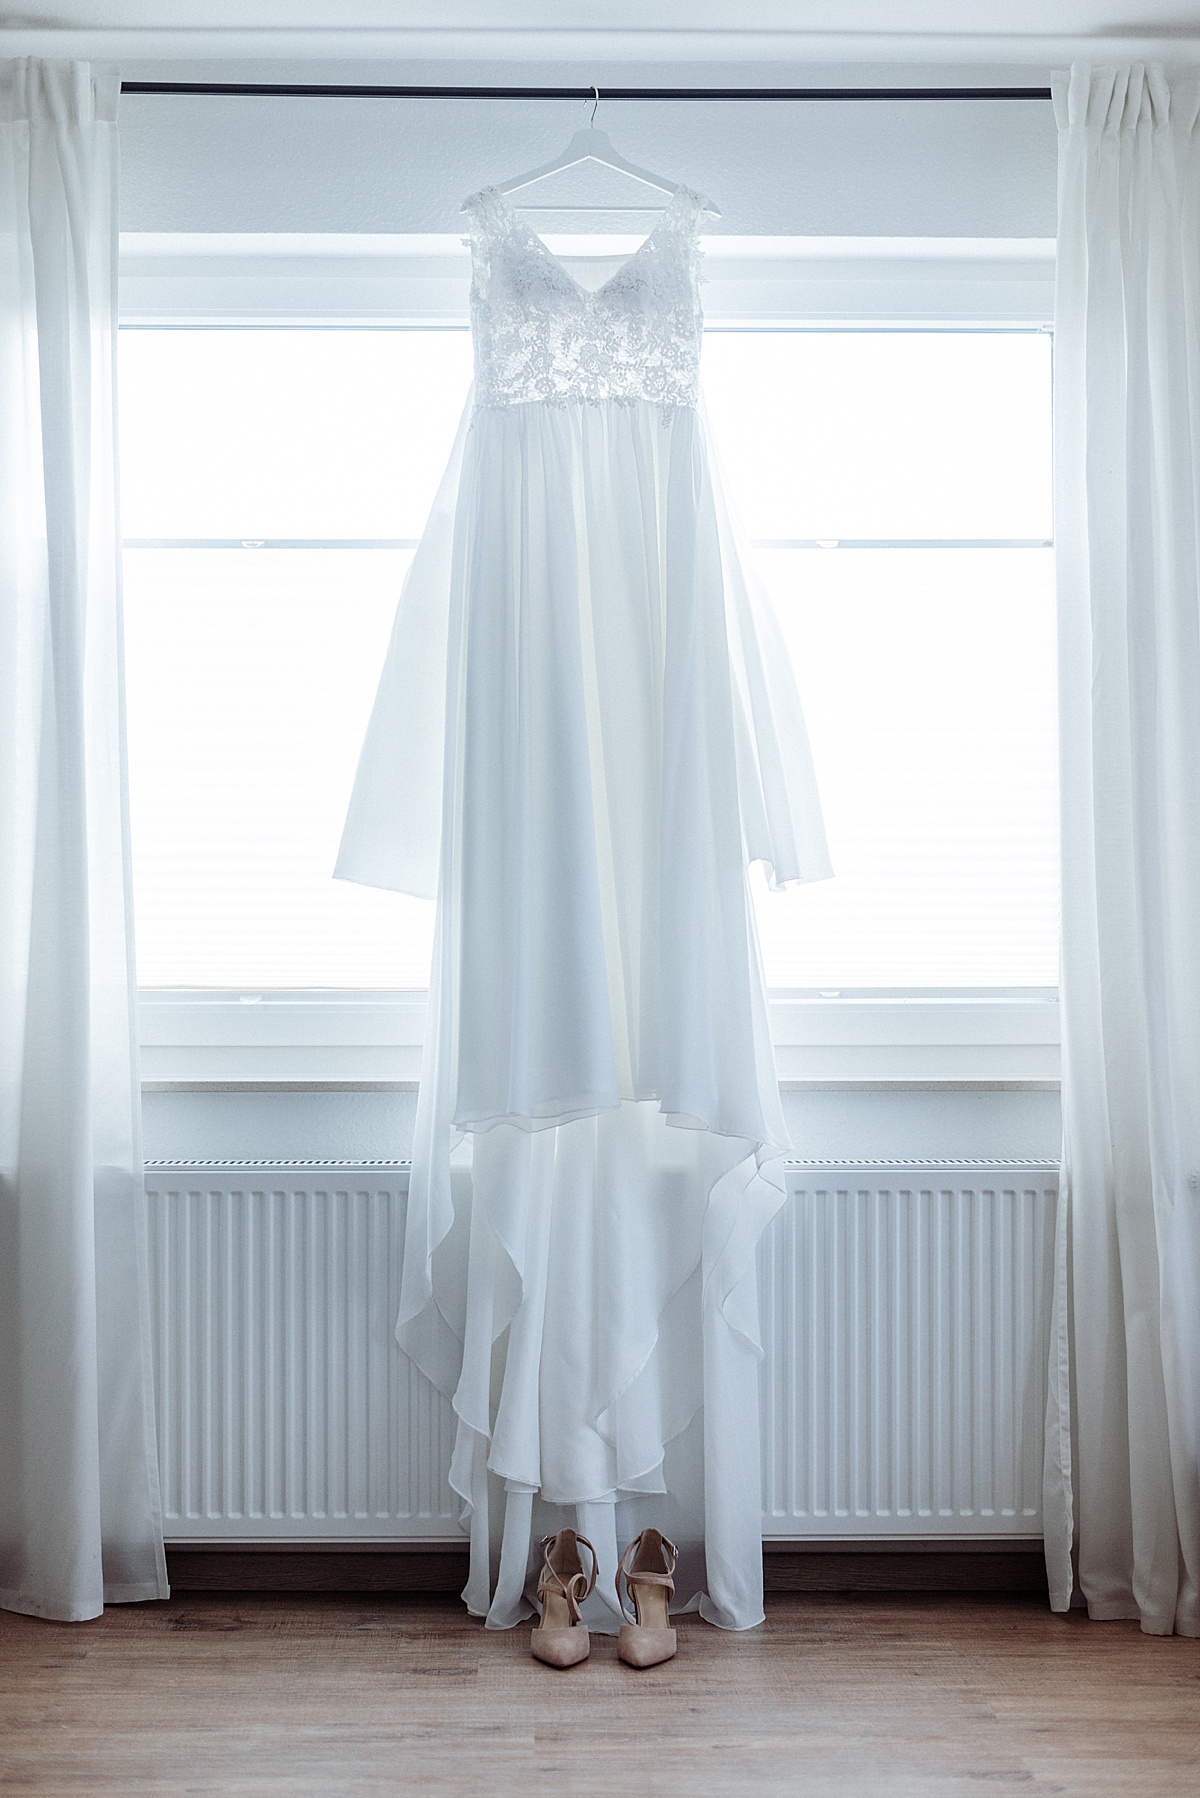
(592, 145)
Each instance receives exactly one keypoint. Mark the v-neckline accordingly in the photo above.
(587, 293)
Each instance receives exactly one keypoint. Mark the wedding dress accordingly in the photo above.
(586, 728)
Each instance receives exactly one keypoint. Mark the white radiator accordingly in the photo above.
(905, 1317)
(285, 1409)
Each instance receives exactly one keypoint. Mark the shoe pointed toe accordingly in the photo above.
(561, 1647)
(640, 1647)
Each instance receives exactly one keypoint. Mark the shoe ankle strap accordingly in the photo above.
(574, 1587)
(645, 1577)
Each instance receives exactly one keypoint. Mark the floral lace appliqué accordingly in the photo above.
(539, 335)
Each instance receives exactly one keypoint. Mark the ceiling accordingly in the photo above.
(958, 18)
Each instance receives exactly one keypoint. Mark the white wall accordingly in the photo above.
(929, 168)
(839, 1126)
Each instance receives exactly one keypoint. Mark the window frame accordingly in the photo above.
(917, 1039)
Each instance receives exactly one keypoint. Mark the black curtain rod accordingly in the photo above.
(303, 90)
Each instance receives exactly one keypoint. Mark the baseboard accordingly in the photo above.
(317, 1569)
(1016, 1567)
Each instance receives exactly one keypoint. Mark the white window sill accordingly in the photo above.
(206, 1040)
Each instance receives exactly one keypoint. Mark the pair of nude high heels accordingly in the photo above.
(560, 1638)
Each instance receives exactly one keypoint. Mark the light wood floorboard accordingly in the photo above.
(928, 1696)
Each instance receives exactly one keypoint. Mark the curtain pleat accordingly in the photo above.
(1122, 1493)
(80, 1519)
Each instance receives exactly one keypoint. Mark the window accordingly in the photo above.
(896, 486)
(274, 483)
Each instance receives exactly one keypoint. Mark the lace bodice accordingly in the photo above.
(539, 335)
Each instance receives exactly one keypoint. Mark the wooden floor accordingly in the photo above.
(840, 1695)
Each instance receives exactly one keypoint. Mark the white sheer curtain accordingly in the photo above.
(1123, 1429)
(79, 1505)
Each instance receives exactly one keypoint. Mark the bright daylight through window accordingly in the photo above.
(896, 487)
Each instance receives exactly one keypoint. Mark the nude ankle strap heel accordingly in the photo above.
(647, 1565)
(558, 1637)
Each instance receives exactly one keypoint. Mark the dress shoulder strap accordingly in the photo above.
(488, 219)
(487, 213)
(687, 208)
(678, 231)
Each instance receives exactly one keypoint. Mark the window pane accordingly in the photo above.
(927, 674)
(325, 433)
(928, 680)
(884, 433)
(251, 675)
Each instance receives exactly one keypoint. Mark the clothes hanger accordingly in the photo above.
(592, 145)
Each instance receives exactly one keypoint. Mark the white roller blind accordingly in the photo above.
(897, 489)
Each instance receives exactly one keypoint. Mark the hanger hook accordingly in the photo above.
(595, 104)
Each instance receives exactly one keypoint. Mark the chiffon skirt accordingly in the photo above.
(585, 730)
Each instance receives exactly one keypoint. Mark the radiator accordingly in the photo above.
(285, 1409)
(905, 1316)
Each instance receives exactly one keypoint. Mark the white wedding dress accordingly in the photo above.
(585, 729)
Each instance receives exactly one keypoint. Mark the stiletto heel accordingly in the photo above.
(647, 1637)
(558, 1637)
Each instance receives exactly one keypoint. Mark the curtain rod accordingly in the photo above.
(321, 90)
